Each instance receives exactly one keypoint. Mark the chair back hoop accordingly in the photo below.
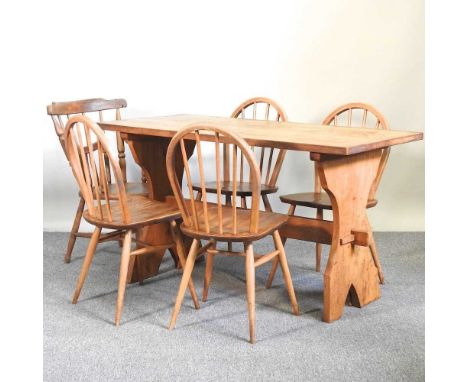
(57, 110)
(195, 214)
(90, 171)
(258, 108)
(358, 114)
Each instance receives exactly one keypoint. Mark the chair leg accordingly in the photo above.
(208, 274)
(271, 276)
(318, 246)
(140, 273)
(250, 278)
(188, 268)
(243, 202)
(266, 203)
(131, 269)
(74, 230)
(86, 263)
(175, 257)
(124, 261)
(199, 196)
(228, 202)
(181, 254)
(275, 262)
(286, 274)
(375, 256)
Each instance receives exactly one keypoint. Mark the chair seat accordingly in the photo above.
(315, 200)
(267, 223)
(136, 188)
(143, 211)
(243, 188)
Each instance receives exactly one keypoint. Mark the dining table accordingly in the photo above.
(347, 158)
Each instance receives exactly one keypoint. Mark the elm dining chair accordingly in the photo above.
(355, 115)
(271, 160)
(64, 110)
(118, 210)
(257, 108)
(218, 222)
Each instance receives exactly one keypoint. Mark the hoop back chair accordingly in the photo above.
(355, 115)
(119, 211)
(270, 159)
(220, 222)
(60, 111)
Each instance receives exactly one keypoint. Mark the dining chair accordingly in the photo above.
(60, 112)
(218, 222)
(270, 159)
(114, 209)
(355, 115)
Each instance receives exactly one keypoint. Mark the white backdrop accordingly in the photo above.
(205, 57)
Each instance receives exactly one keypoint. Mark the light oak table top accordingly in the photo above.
(322, 139)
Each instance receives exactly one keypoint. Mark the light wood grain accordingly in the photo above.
(291, 135)
(351, 269)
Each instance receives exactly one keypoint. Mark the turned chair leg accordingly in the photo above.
(275, 262)
(286, 274)
(228, 202)
(132, 268)
(243, 202)
(188, 268)
(181, 254)
(86, 263)
(74, 230)
(140, 272)
(266, 203)
(250, 278)
(318, 246)
(375, 256)
(175, 257)
(208, 275)
(124, 262)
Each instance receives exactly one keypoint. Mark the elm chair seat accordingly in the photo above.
(243, 188)
(315, 200)
(268, 222)
(142, 210)
(137, 188)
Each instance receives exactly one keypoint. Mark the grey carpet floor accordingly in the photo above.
(380, 342)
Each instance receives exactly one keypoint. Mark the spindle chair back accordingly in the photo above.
(208, 219)
(61, 112)
(270, 159)
(90, 169)
(359, 115)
